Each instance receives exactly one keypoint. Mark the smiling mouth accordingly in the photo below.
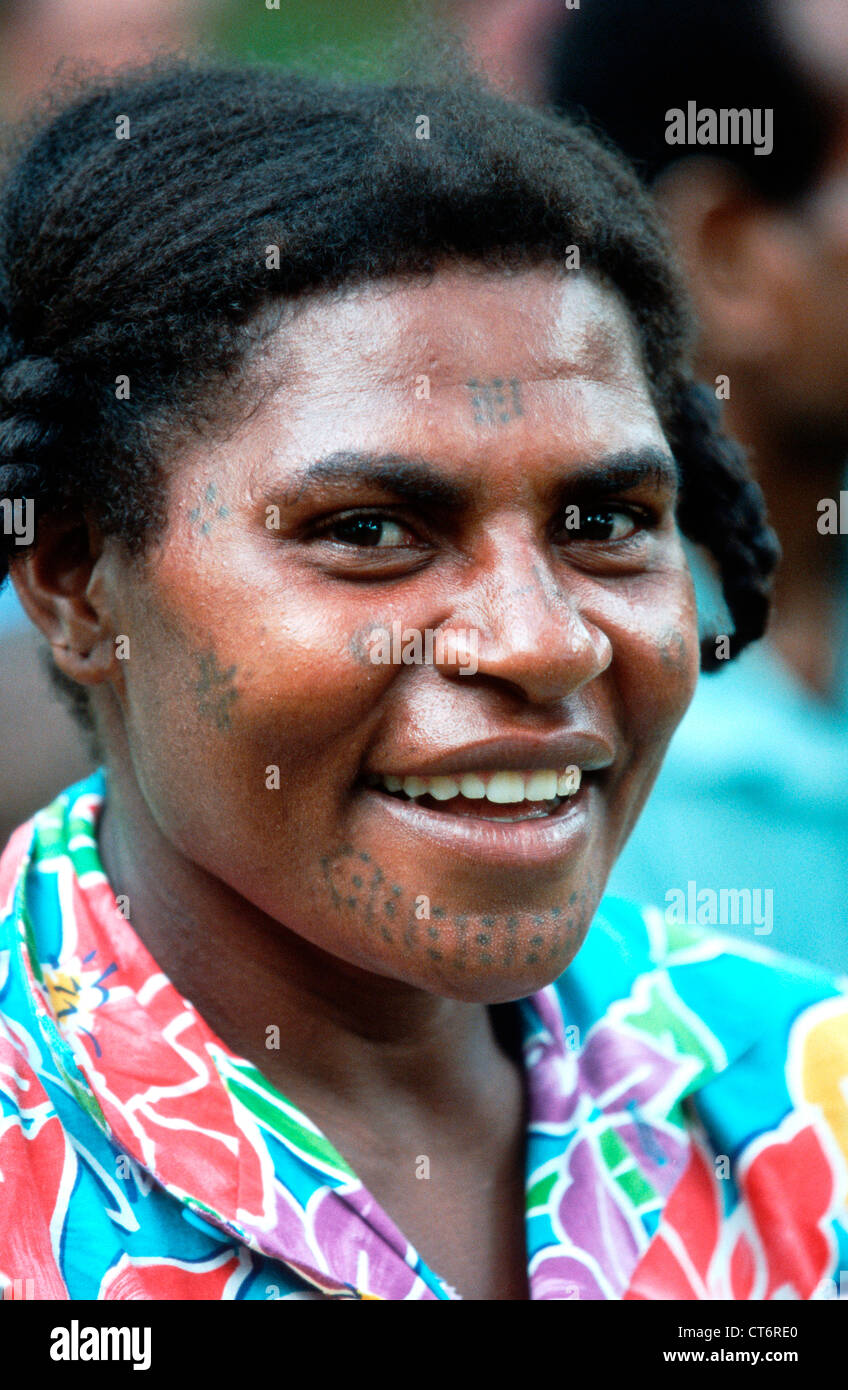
(502, 797)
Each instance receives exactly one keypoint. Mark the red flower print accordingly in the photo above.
(776, 1243)
(36, 1174)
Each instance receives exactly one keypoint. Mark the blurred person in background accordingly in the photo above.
(40, 35)
(509, 41)
(754, 793)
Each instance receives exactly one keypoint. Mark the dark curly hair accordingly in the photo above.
(147, 257)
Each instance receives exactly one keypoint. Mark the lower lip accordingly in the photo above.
(531, 843)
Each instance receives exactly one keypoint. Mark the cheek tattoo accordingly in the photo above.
(207, 513)
(396, 914)
(674, 653)
(215, 689)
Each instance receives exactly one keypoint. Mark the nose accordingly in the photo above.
(527, 623)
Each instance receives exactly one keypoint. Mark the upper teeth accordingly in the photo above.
(501, 787)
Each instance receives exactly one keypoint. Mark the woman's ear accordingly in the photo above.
(733, 251)
(60, 583)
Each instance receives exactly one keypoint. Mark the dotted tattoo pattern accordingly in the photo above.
(495, 402)
(387, 911)
(204, 516)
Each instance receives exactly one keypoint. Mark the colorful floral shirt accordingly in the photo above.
(687, 1132)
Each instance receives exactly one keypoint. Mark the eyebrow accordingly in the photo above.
(418, 480)
(651, 468)
(409, 478)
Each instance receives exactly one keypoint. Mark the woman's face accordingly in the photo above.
(475, 457)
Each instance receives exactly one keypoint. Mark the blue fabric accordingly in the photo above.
(12, 616)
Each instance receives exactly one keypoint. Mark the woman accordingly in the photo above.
(359, 431)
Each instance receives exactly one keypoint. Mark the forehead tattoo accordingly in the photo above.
(495, 402)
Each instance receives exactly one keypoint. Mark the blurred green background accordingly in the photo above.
(357, 34)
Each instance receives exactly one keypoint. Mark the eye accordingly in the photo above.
(602, 524)
(372, 530)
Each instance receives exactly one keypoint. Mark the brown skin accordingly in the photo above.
(270, 906)
(770, 284)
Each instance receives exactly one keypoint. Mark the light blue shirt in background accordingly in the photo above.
(753, 795)
(12, 616)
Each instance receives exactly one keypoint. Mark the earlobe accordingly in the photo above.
(722, 232)
(59, 584)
